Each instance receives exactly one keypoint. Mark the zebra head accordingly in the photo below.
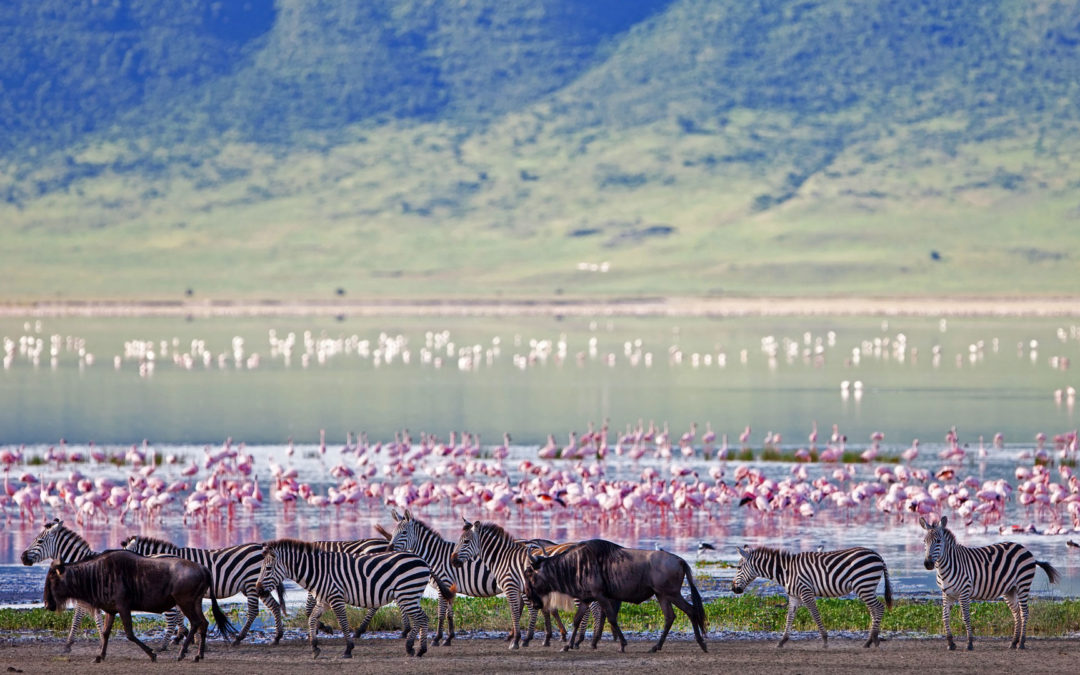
(45, 545)
(406, 536)
(746, 571)
(270, 571)
(468, 546)
(934, 541)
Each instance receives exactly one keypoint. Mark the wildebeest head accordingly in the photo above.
(44, 546)
(271, 570)
(468, 546)
(934, 540)
(405, 536)
(537, 577)
(746, 571)
(55, 596)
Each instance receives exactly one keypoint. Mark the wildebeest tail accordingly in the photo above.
(698, 615)
(559, 601)
(226, 629)
(1051, 572)
(888, 586)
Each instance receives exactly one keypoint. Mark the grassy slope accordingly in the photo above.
(786, 158)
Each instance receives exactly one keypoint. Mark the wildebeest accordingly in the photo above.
(119, 582)
(604, 572)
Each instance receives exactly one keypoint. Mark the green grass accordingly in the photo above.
(747, 613)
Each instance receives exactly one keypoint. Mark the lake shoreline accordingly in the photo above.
(675, 306)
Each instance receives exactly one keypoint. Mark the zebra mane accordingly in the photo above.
(496, 532)
(295, 545)
(771, 552)
(424, 526)
(60, 529)
(155, 542)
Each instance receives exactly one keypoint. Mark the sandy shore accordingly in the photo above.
(491, 655)
(658, 306)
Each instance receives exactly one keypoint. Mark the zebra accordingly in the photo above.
(507, 558)
(337, 579)
(56, 542)
(806, 576)
(1003, 570)
(233, 570)
(379, 544)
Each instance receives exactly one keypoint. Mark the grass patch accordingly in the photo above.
(1048, 618)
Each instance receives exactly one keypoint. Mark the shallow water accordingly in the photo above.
(724, 526)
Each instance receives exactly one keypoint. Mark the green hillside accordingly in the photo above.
(438, 148)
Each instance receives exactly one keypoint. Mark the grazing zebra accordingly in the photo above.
(1004, 570)
(829, 574)
(507, 558)
(233, 570)
(337, 579)
(56, 542)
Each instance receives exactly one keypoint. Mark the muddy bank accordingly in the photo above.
(491, 655)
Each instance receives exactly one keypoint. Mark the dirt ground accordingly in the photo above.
(490, 655)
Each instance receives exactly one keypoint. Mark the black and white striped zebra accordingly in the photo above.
(338, 579)
(829, 574)
(1004, 570)
(357, 547)
(506, 558)
(56, 542)
(233, 570)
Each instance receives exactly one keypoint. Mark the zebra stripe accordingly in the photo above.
(507, 558)
(56, 542)
(234, 570)
(356, 547)
(829, 574)
(337, 579)
(1004, 570)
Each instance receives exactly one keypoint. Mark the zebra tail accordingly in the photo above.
(281, 597)
(1051, 572)
(888, 588)
(447, 592)
(226, 629)
(698, 606)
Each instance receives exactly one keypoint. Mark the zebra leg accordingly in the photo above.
(309, 606)
(174, 628)
(442, 617)
(877, 613)
(252, 612)
(513, 596)
(76, 621)
(343, 620)
(313, 628)
(418, 620)
(279, 624)
(449, 622)
(669, 618)
(965, 608)
(534, 616)
(792, 607)
(1023, 619)
(811, 604)
(1014, 609)
(368, 616)
(946, 618)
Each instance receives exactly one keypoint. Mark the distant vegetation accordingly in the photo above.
(406, 148)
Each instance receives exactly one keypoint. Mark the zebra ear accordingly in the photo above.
(394, 513)
(943, 522)
(742, 553)
(408, 514)
(466, 521)
(476, 525)
(923, 523)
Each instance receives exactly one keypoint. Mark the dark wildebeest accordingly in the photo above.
(119, 582)
(601, 571)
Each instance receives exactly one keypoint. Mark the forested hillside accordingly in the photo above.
(435, 147)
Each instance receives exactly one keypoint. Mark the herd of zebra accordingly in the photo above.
(593, 576)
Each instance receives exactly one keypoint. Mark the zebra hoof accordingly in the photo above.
(970, 647)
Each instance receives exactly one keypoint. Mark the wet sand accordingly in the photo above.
(491, 655)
